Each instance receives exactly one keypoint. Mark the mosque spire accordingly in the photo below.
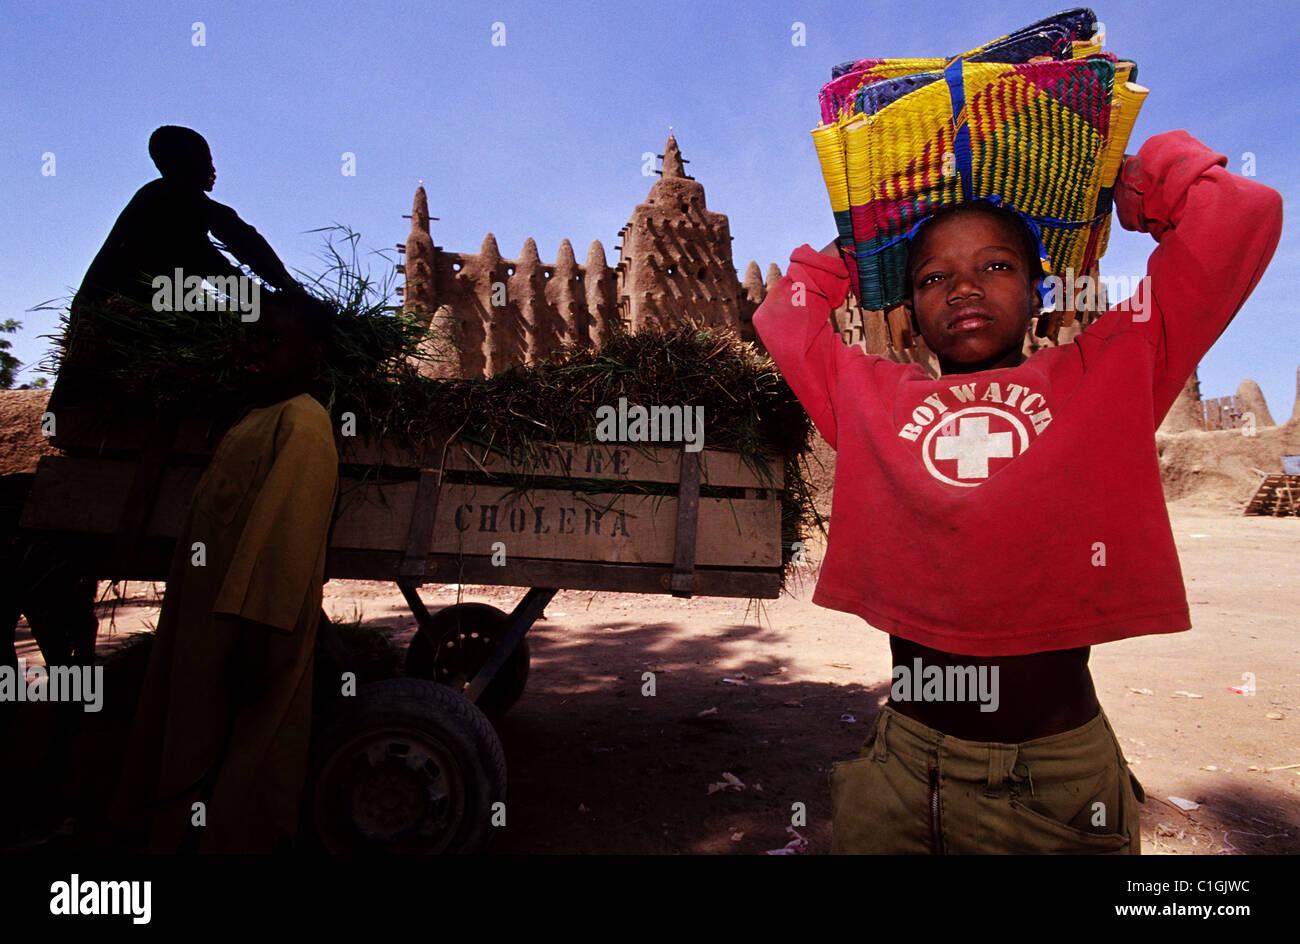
(673, 163)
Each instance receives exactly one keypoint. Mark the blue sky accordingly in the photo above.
(544, 136)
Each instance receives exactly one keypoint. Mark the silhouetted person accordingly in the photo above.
(165, 227)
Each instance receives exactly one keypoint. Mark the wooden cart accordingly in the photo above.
(617, 517)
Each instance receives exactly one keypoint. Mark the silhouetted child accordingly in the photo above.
(165, 227)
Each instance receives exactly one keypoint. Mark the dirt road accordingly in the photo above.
(772, 693)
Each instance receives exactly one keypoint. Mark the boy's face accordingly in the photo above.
(193, 166)
(205, 170)
(972, 292)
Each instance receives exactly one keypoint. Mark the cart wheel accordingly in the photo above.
(469, 632)
(408, 767)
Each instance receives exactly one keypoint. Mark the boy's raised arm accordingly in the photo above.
(248, 245)
(1216, 231)
(794, 324)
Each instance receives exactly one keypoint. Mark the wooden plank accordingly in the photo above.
(80, 428)
(688, 517)
(545, 523)
(1213, 414)
(419, 532)
(1285, 496)
(538, 523)
(352, 564)
(87, 496)
(1278, 495)
(151, 561)
(630, 462)
(616, 461)
(875, 332)
(900, 328)
(1232, 413)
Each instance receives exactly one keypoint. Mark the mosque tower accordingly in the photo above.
(487, 313)
(675, 258)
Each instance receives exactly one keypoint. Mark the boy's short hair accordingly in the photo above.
(177, 150)
(1027, 242)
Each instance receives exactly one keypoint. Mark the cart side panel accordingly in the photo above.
(562, 525)
(618, 462)
(87, 496)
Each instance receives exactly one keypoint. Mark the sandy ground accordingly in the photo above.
(595, 766)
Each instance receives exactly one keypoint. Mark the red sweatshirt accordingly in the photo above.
(1020, 510)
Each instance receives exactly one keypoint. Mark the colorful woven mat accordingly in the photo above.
(1038, 120)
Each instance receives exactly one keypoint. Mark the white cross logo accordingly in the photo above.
(973, 446)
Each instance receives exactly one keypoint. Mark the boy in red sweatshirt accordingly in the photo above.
(1003, 518)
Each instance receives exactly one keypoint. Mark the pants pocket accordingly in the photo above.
(851, 805)
(1038, 833)
(1089, 816)
(878, 807)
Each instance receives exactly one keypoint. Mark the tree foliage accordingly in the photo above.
(9, 364)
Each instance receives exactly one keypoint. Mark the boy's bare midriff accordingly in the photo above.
(1037, 695)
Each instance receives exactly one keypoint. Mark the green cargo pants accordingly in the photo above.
(916, 790)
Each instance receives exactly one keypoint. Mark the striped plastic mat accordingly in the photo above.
(1038, 120)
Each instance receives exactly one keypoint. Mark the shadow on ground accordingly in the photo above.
(598, 765)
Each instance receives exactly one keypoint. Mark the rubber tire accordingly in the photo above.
(381, 710)
(509, 683)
